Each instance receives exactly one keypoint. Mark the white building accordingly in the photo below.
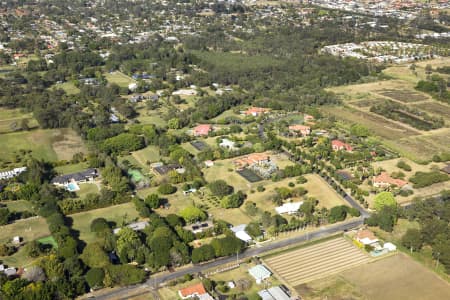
(240, 233)
(289, 208)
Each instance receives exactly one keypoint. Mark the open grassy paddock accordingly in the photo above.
(394, 277)
(18, 205)
(119, 78)
(68, 87)
(117, 214)
(319, 189)
(48, 144)
(71, 168)
(148, 154)
(11, 120)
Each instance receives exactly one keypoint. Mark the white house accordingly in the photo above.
(240, 233)
(289, 208)
(228, 144)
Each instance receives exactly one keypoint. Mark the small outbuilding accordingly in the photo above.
(260, 273)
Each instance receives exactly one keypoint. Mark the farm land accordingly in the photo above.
(394, 277)
(403, 138)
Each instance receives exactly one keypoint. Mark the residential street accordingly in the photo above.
(155, 281)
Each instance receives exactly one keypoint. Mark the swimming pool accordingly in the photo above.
(73, 187)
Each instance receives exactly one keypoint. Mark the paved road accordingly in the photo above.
(159, 279)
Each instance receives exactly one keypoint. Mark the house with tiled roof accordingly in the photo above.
(340, 145)
(202, 130)
(300, 129)
(256, 111)
(366, 237)
(195, 291)
(384, 180)
(252, 159)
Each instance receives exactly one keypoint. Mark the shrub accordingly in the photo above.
(404, 166)
(167, 189)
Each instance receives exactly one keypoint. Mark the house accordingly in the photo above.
(256, 111)
(389, 247)
(132, 86)
(209, 163)
(252, 159)
(240, 233)
(136, 226)
(113, 118)
(12, 173)
(185, 92)
(79, 177)
(10, 272)
(289, 208)
(308, 118)
(340, 145)
(195, 291)
(300, 129)
(384, 180)
(366, 237)
(228, 144)
(202, 129)
(17, 240)
(189, 191)
(260, 273)
(161, 169)
(274, 293)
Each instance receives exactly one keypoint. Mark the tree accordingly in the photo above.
(254, 229)
(94, 256)
(99, 225)
(4, 215)
(33, 249)
(34, 273)
(166, 189)
(384, 199)
(337, 214)
(203, 253)
(220, 188)
(94, 278)
(412, 239)
(153, 201)
(234, 200)
(192, 214)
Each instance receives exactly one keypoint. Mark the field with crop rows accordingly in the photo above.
(320, 260)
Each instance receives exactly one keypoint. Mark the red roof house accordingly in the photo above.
(340, 145)
(196, 290)
(202, 130)
(256, 111)
(384, 180)
(304, 130)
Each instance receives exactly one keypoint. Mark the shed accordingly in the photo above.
(390, 247)
(259, 272)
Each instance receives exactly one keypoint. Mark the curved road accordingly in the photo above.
(157, 280)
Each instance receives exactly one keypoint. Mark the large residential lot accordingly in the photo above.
(395, 277)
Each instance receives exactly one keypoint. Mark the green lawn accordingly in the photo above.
(71, 168)
(87, 188)
(29, 229)
(11, 120)
(18, 205)
(68, 87)
(117, 213)
(18, 259)
(48, 240)
(119, 78)
(150, 153)
(47, 144)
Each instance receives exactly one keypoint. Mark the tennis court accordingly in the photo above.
(249, 175)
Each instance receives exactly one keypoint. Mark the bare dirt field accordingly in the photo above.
(394, 277)
(316, 261)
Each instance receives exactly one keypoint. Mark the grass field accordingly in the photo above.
(119, 78)
(397, 277)
(71, 168)
(68, 87)
(11, 119)
(18, 205)
(117, 213)
(316, 261)
(48, 144)
(148, 154)
(29, 229)
(435, 108)
(319, 189)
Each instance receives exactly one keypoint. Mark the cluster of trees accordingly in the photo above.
(435, 86)
(387, 212)
(218, 247)
(433, 215)
(423, 179)
(408, 115)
